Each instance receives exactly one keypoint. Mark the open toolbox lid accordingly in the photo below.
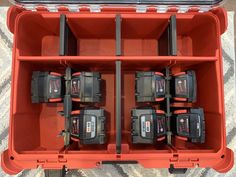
(142, 5)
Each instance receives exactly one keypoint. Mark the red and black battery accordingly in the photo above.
(88, 126)
(86, 87)
(184, 86)
(189, 125)
(47, 87)
(148, 125)
(149, 86)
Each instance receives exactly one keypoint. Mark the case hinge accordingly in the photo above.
(95, 8)
(52, 8)
(141, 8)
(73, 8)
(183, 9)
(30, 7)
(204, 8)
(162, 9)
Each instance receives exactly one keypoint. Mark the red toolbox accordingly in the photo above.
(117, 39)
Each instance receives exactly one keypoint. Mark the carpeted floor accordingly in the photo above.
(121, 170)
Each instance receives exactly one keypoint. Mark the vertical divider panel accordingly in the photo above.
(168, 112)
(67, 47)
(67, 104)
(173, 36)
(118, 84)
(118, 107)
(118, 35)
(168, 40)
(68, 42)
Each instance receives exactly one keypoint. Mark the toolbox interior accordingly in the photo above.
(96, 34)
(36, 126)
(39, 124)
(206, 73)
(140, 35)
(40, 33)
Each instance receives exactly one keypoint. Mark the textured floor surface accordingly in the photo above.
(122, 170)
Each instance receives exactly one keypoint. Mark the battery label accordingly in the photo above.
(54, 86)
(181, 86)
(146, 126)
(161, 125)
(195, 126)
(198, 126)
(75, 86)
(183, 125)
(160, 86)
(75, 125)
(88, 127)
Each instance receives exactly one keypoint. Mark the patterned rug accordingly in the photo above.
(121, 170)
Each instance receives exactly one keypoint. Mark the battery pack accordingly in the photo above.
(88, 125)
(46, 87)
(190, 124)
(86, 87)
(184, 86)
(148, 125)
(149, 86)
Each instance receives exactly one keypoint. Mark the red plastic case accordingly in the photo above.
(33, 131)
